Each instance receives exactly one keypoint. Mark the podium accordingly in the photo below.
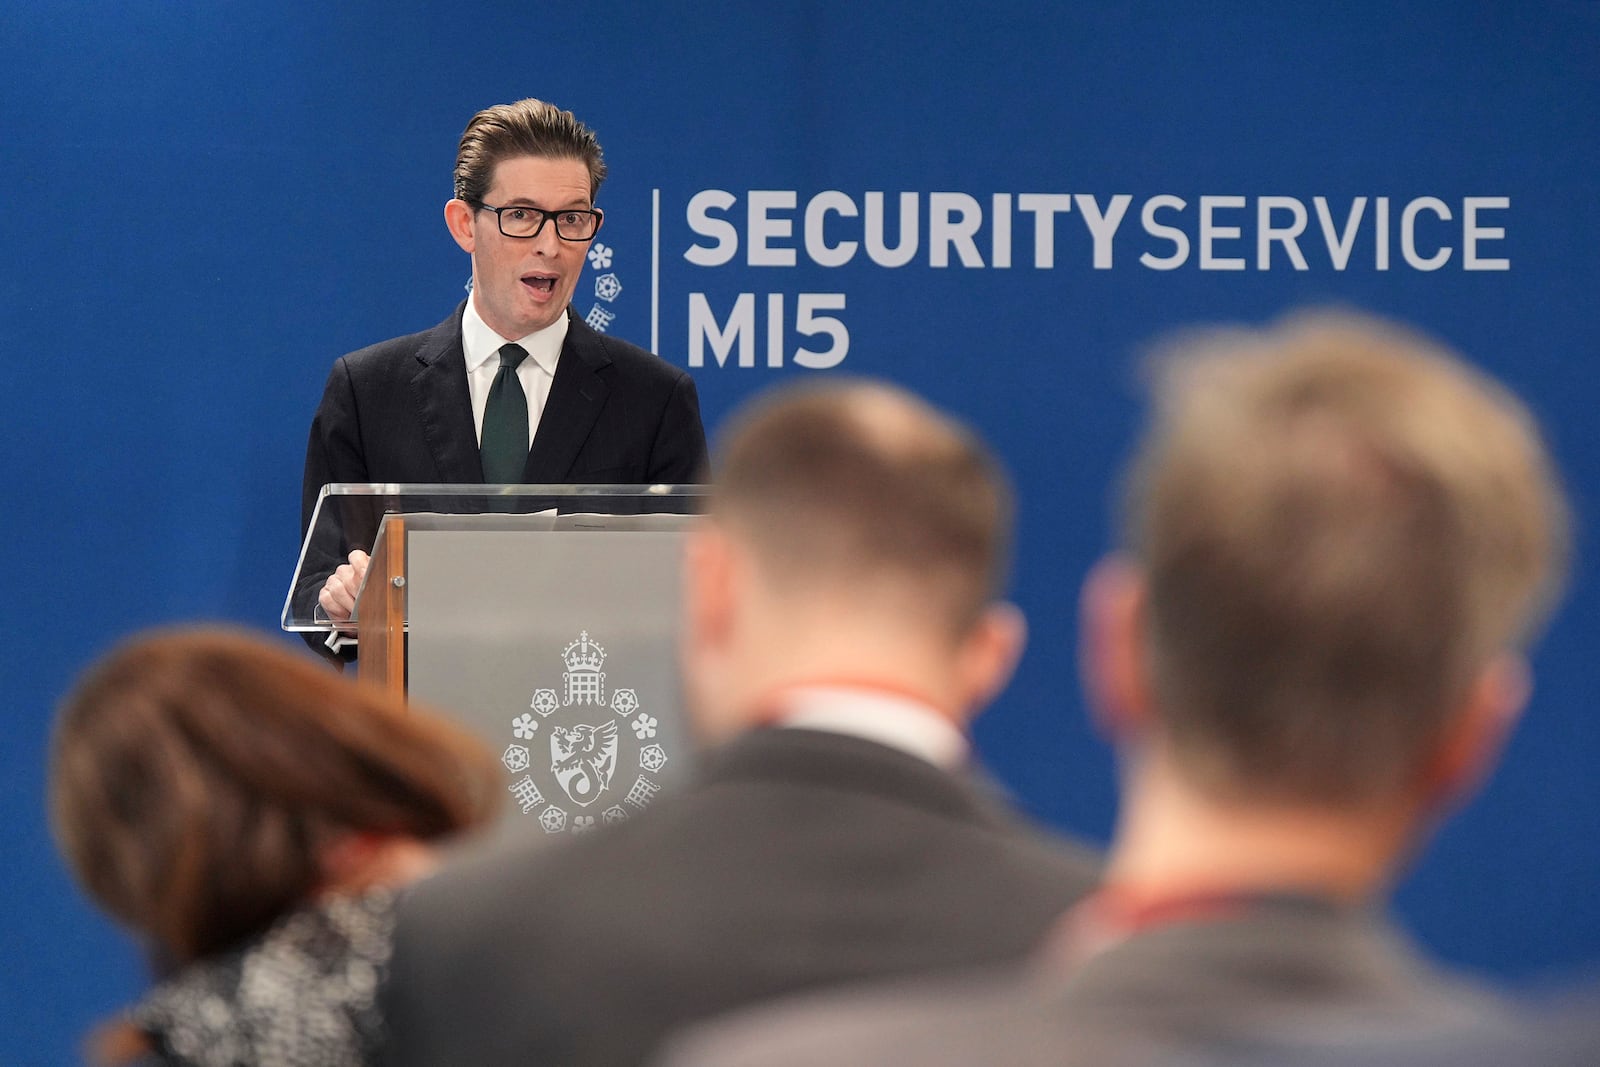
(544, 618)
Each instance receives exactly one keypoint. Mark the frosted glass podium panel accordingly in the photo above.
(546, 622)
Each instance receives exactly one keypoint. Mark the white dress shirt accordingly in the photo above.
(482, 347)
(888, 718)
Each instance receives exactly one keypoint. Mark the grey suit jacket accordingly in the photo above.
(1540, 1035)
(1292, 973)
(797, 859)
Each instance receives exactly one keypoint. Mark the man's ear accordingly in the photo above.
(1112, 656)
(458, 219)
(989, 653)
(1470, 746)
(706, 645)
(708, 594)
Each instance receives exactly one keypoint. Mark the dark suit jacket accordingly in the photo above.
(400, 411)
(796, 859)
(1295, 973)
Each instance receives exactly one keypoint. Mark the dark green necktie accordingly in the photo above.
(504, 447)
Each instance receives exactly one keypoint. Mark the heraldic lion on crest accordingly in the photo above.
(584, 759)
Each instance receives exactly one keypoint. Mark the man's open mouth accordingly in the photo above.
(544, 283)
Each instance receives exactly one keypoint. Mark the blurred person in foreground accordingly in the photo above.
(1338, 541)
(249, 816)
(841, 630)
(1543, 1032)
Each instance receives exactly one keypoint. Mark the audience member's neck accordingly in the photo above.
(1174, 840)
(856, 652)
(357, 862)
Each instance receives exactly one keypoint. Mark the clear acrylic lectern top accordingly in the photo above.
(348, 516)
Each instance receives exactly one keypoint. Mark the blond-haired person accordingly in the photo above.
(1338, 541)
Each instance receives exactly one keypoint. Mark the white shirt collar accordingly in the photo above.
(481, 344)
(899, 722)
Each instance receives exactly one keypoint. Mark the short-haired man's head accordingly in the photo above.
(861, 486)
(196, 776)
(526, 128)
(1340, 524)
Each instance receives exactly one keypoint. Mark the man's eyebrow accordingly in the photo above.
(578, 204)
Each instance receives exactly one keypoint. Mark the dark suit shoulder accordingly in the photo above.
(796, 860)
(385, 356)
(630, 360)
(822, 760)
(890, 843)
(648, 429)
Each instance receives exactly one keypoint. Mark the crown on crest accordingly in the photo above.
(584, 654)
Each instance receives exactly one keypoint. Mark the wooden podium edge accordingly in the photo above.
(381, 612)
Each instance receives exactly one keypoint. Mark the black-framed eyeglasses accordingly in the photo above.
(573, 224)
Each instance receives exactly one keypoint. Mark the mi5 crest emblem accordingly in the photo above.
(583, 759)
(586, 747)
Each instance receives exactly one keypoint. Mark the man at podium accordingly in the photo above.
(512, 386)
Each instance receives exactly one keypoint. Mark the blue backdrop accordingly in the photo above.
(206, 204)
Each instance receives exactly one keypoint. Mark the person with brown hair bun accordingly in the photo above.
(250, 816)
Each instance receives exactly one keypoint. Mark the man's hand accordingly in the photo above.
(338, 595)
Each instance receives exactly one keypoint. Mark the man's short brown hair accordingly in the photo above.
(526, 128)
(196, 775)
(1340, 524)
(862, 482)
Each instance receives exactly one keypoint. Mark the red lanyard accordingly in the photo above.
(1110, 916)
